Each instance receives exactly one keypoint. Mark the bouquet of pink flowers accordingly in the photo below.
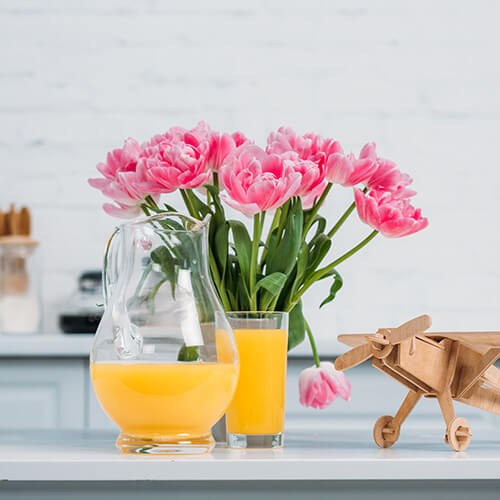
(287, 182)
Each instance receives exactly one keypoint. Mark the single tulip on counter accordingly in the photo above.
(320, 386)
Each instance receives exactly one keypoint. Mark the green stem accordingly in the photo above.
(320, 273)
(274, 224)
(313, 344)
(258, 221)
(151, 202)
(145, 274)
(213, 266)
(218, 283)
(344, 217)
(152, 294)
(315, 209)
(282, 222)
(189, 205)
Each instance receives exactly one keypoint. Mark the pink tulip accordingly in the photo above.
(308, 146)
(255, 181)
(121, 210)
(222, 145)
(311, 149)
(313, 181)
(392, 216)
(340, 168)
(177, 160)
(123, 181)
(319, 387)
(347, 170)
(386, 177)
(215, 146)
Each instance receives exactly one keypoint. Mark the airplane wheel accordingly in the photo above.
(383, 433)
(458, 434)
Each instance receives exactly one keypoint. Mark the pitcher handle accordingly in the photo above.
(109, 275)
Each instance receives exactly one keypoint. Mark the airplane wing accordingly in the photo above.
(486, 339)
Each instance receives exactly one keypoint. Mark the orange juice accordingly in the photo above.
(258, 405)
(162, 401)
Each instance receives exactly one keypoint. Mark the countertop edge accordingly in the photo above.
(262, 470)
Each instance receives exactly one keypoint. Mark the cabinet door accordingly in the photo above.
(42, 393)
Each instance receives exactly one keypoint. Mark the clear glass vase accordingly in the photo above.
(164, 364)
(256, 416)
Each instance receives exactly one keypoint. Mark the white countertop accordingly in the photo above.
(78, 345)
(334, 455)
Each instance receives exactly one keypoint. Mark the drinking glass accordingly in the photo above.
(256, 415)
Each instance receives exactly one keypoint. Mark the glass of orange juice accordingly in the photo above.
(256, 415)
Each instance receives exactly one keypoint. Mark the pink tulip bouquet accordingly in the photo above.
(282, 188)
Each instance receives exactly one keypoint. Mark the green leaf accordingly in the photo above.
(300, 270)
(319, 247)
(188, 353)
(273, 283)
(232, 299)
(283, 259)
(242, 295)
(220, 246)
(332, 272)
(200, 207)
(170, 224)
(243, 247)
(271, 246)
(170, 208)
(276, 233)
(162, 257)
(214, 191)
(336, 286)
(319, 220)
(296, 326)
(167, 263)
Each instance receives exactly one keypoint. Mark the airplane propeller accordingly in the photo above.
(380, 341)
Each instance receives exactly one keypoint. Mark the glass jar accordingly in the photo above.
(164, 364)
(20, 303)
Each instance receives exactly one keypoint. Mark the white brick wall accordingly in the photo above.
(419, 78)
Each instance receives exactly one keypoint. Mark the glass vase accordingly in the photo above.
(256, 416)
(164, 364)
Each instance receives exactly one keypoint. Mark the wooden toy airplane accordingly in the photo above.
(444, 365)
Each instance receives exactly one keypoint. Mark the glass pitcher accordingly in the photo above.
(164, 364)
